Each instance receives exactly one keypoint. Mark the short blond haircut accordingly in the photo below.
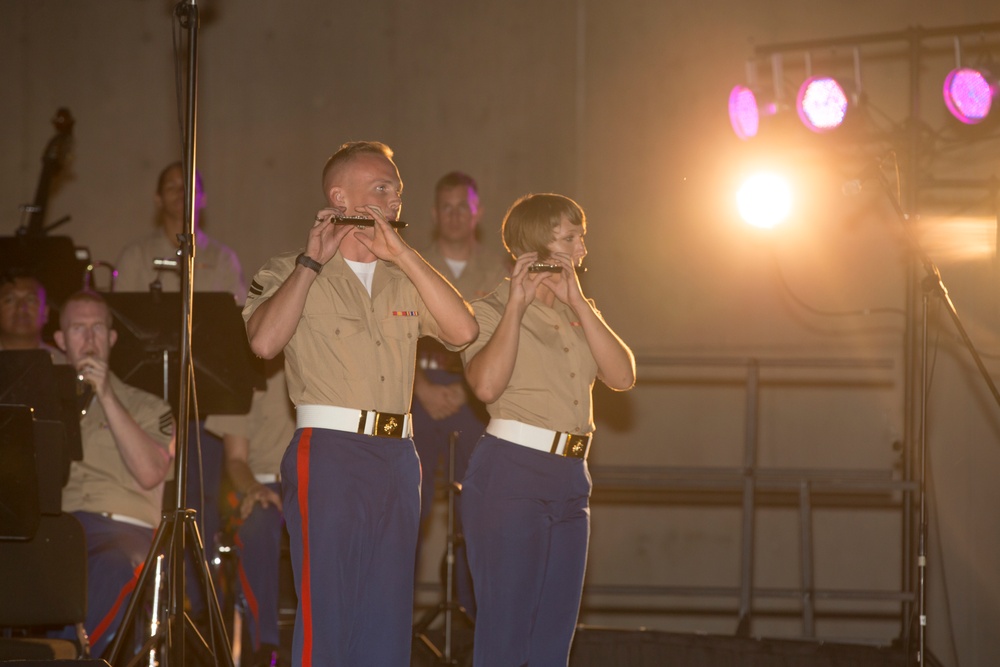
(348, 152)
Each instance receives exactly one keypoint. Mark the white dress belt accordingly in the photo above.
(554, 442)
(352, 420)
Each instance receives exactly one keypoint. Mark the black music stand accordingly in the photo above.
(20, 513)
(28, 377)
(54, 260)
(51, 391)
(39, 427)
(146, 353)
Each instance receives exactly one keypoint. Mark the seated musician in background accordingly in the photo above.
(254, 444)
(24, 312)
(443, 401)
(216, 269)
(116, 491)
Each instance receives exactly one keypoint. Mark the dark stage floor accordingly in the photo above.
(603, 647)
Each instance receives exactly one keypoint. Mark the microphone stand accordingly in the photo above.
(449, 606)
(932, 284)
(178, 530)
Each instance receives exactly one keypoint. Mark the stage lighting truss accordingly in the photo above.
(968, 92)
(827, 98)
(822, 102)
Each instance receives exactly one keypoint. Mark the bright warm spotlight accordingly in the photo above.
(764, 200)
(968, 95)
(743, 114)
(822, 103)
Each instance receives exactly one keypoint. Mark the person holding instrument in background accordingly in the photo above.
(525, 496)
(116, 491)
(216, 269)
(348, 311)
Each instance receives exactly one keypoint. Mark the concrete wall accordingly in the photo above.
(621, 106)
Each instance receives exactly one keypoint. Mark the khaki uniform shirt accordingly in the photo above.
(268, 426)
(101, 482)
(483, 271)
(216, 267)
(554, 372)
(350, 350)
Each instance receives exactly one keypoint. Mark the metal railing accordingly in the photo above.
(746, 484)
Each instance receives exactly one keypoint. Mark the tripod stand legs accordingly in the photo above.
(171, 626)
(448, 606)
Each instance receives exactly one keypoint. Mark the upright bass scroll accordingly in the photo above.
(52, 161)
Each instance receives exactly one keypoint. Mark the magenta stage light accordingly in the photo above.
(743, 114)
(968, 95)
(822, 103)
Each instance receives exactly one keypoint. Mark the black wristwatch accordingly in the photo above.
(308, 262)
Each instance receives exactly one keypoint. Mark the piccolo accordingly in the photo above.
(361, 221)
(542, 267)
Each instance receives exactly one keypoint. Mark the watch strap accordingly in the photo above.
(308, 262)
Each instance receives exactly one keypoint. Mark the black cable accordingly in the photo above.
(864, 312)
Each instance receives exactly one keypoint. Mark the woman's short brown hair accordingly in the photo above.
(530, 220)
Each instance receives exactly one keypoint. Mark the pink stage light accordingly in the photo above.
(968, 95)
(822, 104)
(743, 113)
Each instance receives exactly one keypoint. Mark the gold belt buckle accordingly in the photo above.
(577, 446)
(389, 425)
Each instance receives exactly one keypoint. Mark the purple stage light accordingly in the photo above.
(822, 104)
(743, 114)
(968, 95)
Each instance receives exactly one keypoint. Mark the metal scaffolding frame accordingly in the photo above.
(914, 46)
(638, 484)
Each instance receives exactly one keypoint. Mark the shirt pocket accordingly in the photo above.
(402, 328)
(341, 344)
(338, 327)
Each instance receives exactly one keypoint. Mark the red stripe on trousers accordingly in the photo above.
(302, 467)
(126, 590)
(250, 598)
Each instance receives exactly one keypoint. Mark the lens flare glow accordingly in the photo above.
(958, 239)
(822, 103)
(764, 200)
(968, 95)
